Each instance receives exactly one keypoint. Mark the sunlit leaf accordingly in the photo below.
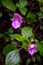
(18, 4)
(40, 0)
(23, 10)
(26, 32)
(23, 2)
(9, 4)
(12, 58)
(24, 45)
(39, 46)
(17, 37)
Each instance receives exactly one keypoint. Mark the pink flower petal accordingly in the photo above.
(16, 24)
(18, 17)
(32, 49)
(12, 19)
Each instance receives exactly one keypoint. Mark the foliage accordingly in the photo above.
(40, 0)
(24, 35)
(26, 32)
(12, 58)
(8, 48)
(8, 4)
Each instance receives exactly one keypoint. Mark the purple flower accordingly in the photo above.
(16, 21)
(32, 49)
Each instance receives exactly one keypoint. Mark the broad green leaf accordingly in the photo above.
(23, 10)
(39, 46)
(8, 48)
(40, 0)
(42, 9)
(24, 45)
(23, 2)
(40, 15)
(28, 61)
(26, 32)
(17, 37)
(1, 35)
(31, 15)
(9, 4)
(12, 58)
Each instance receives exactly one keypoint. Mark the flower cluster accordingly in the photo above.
(32, 49)
(16, 21)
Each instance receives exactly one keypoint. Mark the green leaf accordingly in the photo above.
(18, 4)
(33, 58)
(32, 39)
(28, 61)
(39, 46)
(41, 27)
(42, 9)
(7, 39)
(31, 15)
(7, 33)
(23, 2)
(40, 0)
(35, 64)
(38, 58)
(0, 14)
(0, 4)
(12, 58)
(41, 54)
(9, 4)
(30, 21)
(23, 10)
(24, 45)
(26, 32)
(1, 35)
(11, 30)
(17, 37)
(41, 41)
(8, 48)
(40, 15)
